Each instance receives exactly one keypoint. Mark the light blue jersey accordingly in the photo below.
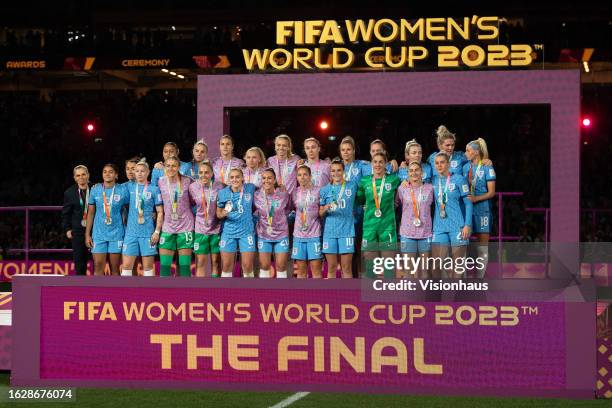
(156, 174)
(477, 179)
(339, 222)
(451, 191)
(353, 170)
(456, 162)
(239, 221)
(116, 198)
(402, 173)
(149, 197)
(190, 169)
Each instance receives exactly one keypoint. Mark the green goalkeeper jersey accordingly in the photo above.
(386, 196)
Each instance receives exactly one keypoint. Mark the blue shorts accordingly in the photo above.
(482, 223)
(306, 249)
(107, 247)
(452, 238)
(135, 246)
(338, 245)
(415, 246)
(278, 246)
(246, 244)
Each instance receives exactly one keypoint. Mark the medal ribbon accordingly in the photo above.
(443, 196)
(84, 206)
(316, 171)
(416, 204)
(108, 206)
(140, 200)
(206, 200)
(269, 208)
(304, 204)
(377, 198)
(224, 172)
(177, 192)
(341, 191)
(472, 177)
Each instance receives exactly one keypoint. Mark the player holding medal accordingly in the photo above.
(170, 150)
(451, 225)
(226, 162)
(207, 227)
(106, 200)
(319, 168)
(142, 234)
(414, 153)
(378, 193)
(255, 160)
(307, 227)
(415, 198)
(284, 163)
(271, 208)
(177, 229)
(200, 155)
(336, 204)
(481, 179)
(235, 205)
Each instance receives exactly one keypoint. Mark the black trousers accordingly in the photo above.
(80, 254)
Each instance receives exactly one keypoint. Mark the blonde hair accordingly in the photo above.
(411, 143)
(288, 139)
(173, 158)
(143, 162)
(443, 134)
(200, 142)
(480, 146)
(262, 156)
(312, 139)
(349, 141)
(228, 137)
(80, 167)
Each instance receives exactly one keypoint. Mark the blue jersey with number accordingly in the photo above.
(456, 192)
(402, 173)
(239, 221)
(339, 223)
(477, 181)
(455, 165)
(366, 169)
(156, 174)
(119, 197)
(149, 199)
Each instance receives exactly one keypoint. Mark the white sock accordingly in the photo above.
(483, 252)
(150, 272)
(281, 274)
(248, 274)
(227, 274)
(264, 274)
(126, 272)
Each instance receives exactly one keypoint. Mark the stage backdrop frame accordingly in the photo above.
(560, 89)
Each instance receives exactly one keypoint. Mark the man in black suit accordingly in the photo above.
(74, 216)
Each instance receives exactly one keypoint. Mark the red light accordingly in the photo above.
(586, 122)
(323, 125)
(90, 127)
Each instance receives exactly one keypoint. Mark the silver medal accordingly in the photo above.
(108, 221)
(443, 213)
(333, 206)
(174, 216)
(378, 213)
(417, 222)
(83, 223)
(269, 230)
(228, 207)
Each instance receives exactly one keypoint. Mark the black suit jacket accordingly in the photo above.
(72, 213)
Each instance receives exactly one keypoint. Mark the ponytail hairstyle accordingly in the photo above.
(210, 167)
(312, 139)
(443, 134)
(114, 167)
(382, 154)
(384, 146)
(411, 143)
(303, 166)
(143, 162)
(337, 160)
(288, 139)
(173, 145)
(480, 146)
(442, 154)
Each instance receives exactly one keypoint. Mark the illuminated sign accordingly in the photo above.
(412, 35)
